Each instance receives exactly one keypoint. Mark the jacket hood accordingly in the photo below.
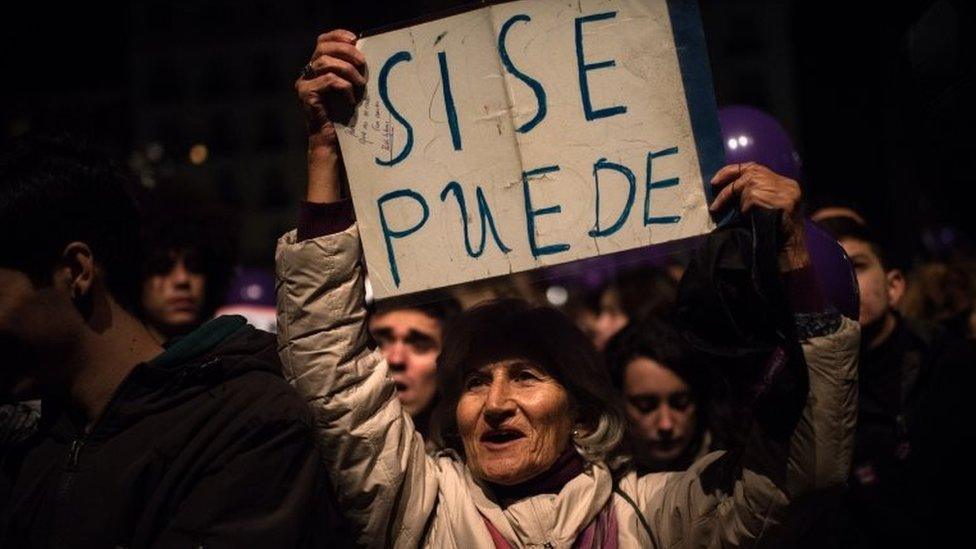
(230, 339)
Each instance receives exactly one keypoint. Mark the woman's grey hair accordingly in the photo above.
(605, 443)
(512, 328)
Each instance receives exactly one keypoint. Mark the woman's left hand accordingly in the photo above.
(756, 185)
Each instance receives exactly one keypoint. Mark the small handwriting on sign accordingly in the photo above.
(373, 127)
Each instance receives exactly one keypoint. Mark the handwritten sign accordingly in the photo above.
(527, 134)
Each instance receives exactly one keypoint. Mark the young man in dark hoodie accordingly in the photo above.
(200, 444)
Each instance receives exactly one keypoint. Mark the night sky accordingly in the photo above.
(75, 46)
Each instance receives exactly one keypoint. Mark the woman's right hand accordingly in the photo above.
(329, 89)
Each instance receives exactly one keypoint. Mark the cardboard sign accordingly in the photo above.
(526, 134)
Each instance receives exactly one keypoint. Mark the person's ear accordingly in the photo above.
(78, 274)
(895, 282)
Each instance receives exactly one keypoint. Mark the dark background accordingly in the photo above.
(878, 98)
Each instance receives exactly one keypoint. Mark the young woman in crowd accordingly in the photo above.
(665, 395)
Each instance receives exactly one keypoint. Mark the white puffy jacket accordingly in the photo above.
(394, 494)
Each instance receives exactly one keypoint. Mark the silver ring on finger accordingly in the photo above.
(308, 72)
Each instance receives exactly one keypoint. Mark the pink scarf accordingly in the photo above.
(600, 533)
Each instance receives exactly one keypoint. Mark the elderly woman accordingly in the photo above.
(533, 436)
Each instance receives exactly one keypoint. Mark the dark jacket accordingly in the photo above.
(894, 376)
(915, 434)
(943, 439)
(204, 446)
(911, 452)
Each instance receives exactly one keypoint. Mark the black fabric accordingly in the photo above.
(895, 386)
(888, 375)
(913, 446)
(942, 431)
(214, 451)
(878, 501)
(732, 309)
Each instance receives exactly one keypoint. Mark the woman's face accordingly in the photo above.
(514, 420)
(661, 407)
(611, 319)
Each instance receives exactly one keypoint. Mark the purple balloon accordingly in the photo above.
(252, 286)
(252, 295)
(834, 270)
(751, 135)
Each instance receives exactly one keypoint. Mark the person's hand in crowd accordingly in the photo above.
(329, 88)
(754, 185)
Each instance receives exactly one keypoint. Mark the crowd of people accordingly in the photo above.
(721, 398)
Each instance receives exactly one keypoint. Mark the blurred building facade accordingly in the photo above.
(213, 111)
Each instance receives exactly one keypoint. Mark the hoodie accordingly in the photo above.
(204, 446)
